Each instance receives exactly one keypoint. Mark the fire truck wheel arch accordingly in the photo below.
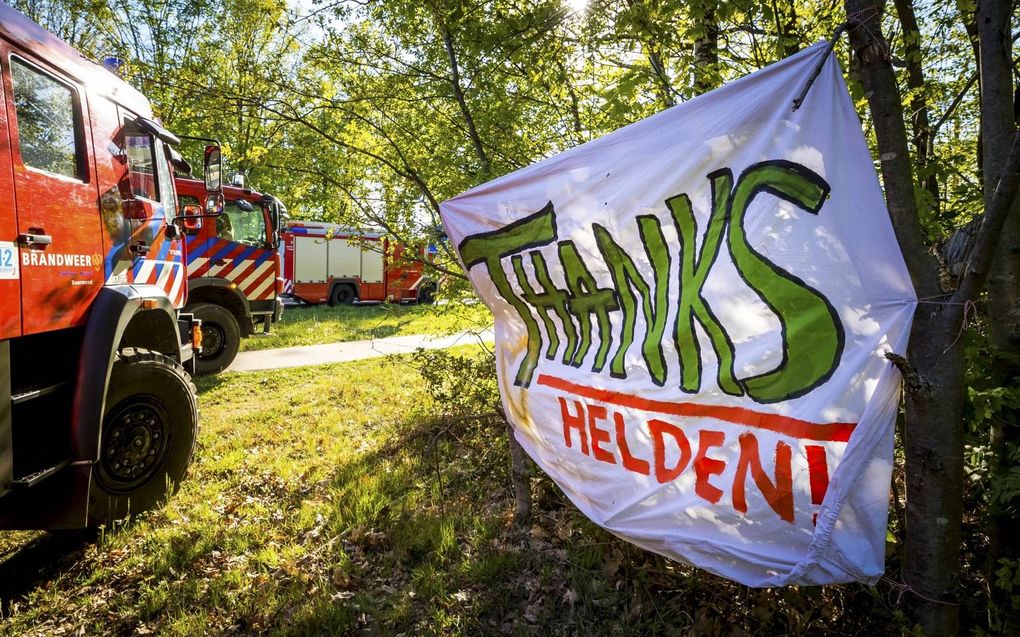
(343, 293)
(113, 311)
(221, 338)
(217, 291)
(149, 432)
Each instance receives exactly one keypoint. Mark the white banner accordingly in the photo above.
(692, 316)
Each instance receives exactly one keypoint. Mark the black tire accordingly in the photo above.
(342, 294)
(427, 294)
(148, 438)
(221, 338)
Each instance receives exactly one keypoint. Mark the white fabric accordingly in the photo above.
(846, 252)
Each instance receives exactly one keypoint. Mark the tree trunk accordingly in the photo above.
(934, 383)
(648, 41)
(918, 106)
(997, 129)
(788, 41)
(520, 478)
(706, 51)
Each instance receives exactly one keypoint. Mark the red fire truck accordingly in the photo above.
(325, 262)
(233, 270)
(97, 414)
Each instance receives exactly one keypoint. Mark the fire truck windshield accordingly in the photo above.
(238, 225)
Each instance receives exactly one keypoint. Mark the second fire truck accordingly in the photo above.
(233, 270)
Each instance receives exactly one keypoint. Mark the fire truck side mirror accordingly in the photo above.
(191, 216)
(275, 217)
(214, 204)
(213, 169)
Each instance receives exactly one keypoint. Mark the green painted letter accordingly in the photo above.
(694, 269)
(626, 278)
(532, 231)
(812, 333)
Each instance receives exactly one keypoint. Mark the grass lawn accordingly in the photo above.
(324, 324)
(324, 501)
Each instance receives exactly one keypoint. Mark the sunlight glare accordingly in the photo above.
(577, 6)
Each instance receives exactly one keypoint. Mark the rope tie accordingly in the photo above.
(968, 306)
(854, 21)
(901, 588)
(857, 20)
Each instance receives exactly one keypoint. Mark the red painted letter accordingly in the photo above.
(818, 469)
(778, 495)
(657, 428)
(705, 467)
(637, 465)
(574, 421)
(597, 412)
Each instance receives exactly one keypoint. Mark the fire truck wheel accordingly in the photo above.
(427, 294)
(148, 438)
(342, 294)
(221, 337)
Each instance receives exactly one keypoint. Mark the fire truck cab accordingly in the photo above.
(233, 270)
(98, 416)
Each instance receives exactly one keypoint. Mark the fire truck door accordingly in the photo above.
(112, 182)
(55, 194)
(10, 271)
(157, 258)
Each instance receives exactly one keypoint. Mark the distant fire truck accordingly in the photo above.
(233, 270)
(328, 263)
(98, 416)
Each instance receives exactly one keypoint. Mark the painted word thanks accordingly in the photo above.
(812, 335)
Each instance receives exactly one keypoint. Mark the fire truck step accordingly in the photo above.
(36, 392)
(35, 478)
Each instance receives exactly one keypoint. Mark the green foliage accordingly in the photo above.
(1007, 580)
(369, 113)
(459, 385)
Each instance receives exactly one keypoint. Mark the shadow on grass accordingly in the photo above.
(39, 560)
(426, 546)
(205, 383)
(416, 538)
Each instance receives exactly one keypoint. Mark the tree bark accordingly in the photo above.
(997, 129)
(706, 51)
(520, 478)
(933, 438)
(934, 390)
(919, 116)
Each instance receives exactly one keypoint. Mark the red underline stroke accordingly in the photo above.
(794, 427)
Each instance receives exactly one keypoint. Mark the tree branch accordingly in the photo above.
(991, 228)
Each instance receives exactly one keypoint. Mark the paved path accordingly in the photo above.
(350, 351)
